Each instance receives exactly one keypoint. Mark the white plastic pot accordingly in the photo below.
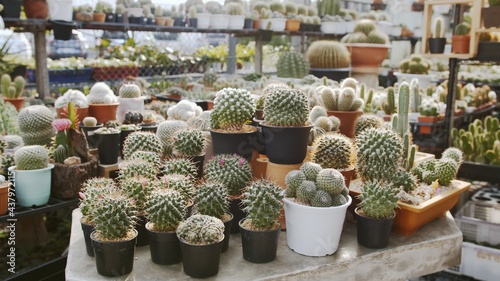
(32, 186)
(129, 104)
(333, 27)
(60, 10)
(219, 21)
(236, 21)
(424, 80)
(203, 20)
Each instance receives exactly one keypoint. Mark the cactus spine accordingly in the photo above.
(328, 54)
(113, 217)
(377, 201)
(231, 170)
(201, 230)
(389, 106)
(286, 108)
(189, 143)
(333, 150)
(262, 200)
(166, 209)
(232, 109)
(35, 125)
(292, 65)
(31, 157)
(212, 199)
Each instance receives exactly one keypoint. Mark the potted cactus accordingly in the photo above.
(236, 14)
(260, 229)
(185, 185)
(130, 99)
(12, 90)
(329, 58)
(191, 144)
(166, 208)
(292, 65)
(415, 67)
(79, 101)
(88, 126)
(437, 40)
(35, 125)
(114, 237)
(201, 239)
(316, 202)
(230, 134)
(119, 11)
(108, 140)
(375, 214)
(219, 19)
(102, 103)
(32, 175)
(144, 141)
(165, 133)
(460, 40)
(99, 13)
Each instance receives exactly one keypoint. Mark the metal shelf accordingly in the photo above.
(53, 204)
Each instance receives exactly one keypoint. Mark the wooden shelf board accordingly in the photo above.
(447, 56)
(491, 29)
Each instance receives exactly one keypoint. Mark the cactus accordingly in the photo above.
(310, 170)
(60, 153)
(181, 183)
(292, 181)
(92, 190)
(404, 180)
(31, 157)
(180, 166)
(425, 171)
(331, 181)
(316, 112)
(379, 154)
(286, 108)
(100, 93)
(355, 37)
(130, 90)
(328, 7)
(328, 54)
(462, 28)
(166, 209)
(415, 65)
(232, 109)
(8, 118)
(377, 37)
(147, 156)
(231, 170)
(330, 98)
(89, 121)
(365, 26)
(189, 143)
(201, 230)
(416, 97)
(113, 217)
(262, 201)
(453, 153)
(144, 141)
(377, 202)
(35, 125)
(346, 99)
(292, 65)
(389, 106)
(324, 123)
(138, 189)
(137, 168)
(6, 161)
(12, 141)
(446, 170)
(165, 133)
(438, 31)
(209, 77)
(367, 121)
(212, 199)
(322, 199)
(333, 150)
(306, 191)
(429, 108)
(5, 82)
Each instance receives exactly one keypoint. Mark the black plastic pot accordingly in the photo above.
(11, 8)
(286, 145)
(151, 21)
(63, 29)
(201, 261)
(490, 16)
(148, 127)
(164, 247)
(135, 20)
(123, 135)
(179, 22)
(87, 230)
(248, 24)
(259, 246)
(266, 35)
(119, 18)
(110, 17)
(142, 233)
(114, 258)
(373, 233)
(231, 143)
(336, 74)
(436, 45)
(193, 23)
(108, 147)
(238, 214)
(227, 233)
(89, 134)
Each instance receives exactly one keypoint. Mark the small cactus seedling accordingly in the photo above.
(201, 230)
(377, 201)
(262, 201)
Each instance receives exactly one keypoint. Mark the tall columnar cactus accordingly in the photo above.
(137, 168)
(201, 229)
(212, 199)
(286, 108)
(189, 143)
(379, 154)
(333, 150)
(377, 201)
(35, 125)
(231, 170)
(415, 96)
(367, 121)
(147, 156)
(130, 90)
(316, 112)
(31, 157)
(166, 209)
(438, 31)
(232, 109)
(113, 217)
(166, 132)
(389, 106)
(292, 65)
(5, 82)
(310, 170)
(262, 201)
(144, 141)
(138, 189)
(92, 190)
(183, 184)
(328, 54)
(180, 166)
(401, 125)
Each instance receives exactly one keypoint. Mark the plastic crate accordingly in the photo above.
(480, 262)
(488, 196)
(479, 223)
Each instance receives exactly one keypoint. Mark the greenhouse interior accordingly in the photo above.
(250, 139)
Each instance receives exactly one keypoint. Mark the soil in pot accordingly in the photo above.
(201, 261)
(373, 233)
(259, 246)
(164, 247)
(114, 258)
(436, 45)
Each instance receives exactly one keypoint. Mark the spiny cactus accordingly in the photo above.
(365, 26)
(232, 109)
(316, 112)
(453, 153)
(92, 190)
(5, 83)
(138, 189)
(462, 28)
(35, 125)
(429, 108)
(328, 54)
(31, 157)
(144, 141)
(201, 230)
(292, 65)
(166, 132)
(367, 121)
(183, 184)
(377, 37)
(415, 65)
(180, 166)
(12, 89)
(231, 170)
(331, 181)
(355, 37)
(12, 141)
(324, 123)
(330, 98)
(113, 217)
(346, 99)
(166, 209)
(404, 180)
(137, 168)
(349, 83)
(262, 201)
(292, 181)
(130, 90)
(100, 93)
(322, 199)
(389, 105)
(147, 156)
(333, 150)
(425, 171)
(377, 201)
(189, 143)
(446, 169)
(209, 78)
(286, 108)
(212, 199)
(379, 154)
(306, 191)
(438, 30)
(6, 161)
(310, 170)
(60, 153)
(8, 119)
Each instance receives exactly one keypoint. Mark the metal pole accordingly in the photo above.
(41, 71)
(258, 54)
(231, 59)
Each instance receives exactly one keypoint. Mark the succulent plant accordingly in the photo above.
(286, 108)
(166, 132)
(322, 199)
(232, 109)
(12, 141)
(365, 26)
(113, 217)
(89, 121)
(12, 89)
(8, 119)
(166, 208)
(462, 28)
(100, 93)
(377, 201)
(209, 77)
(147, 156)
(31, 157)
(333, 150)
(189, 143)
(328, 54)
(292, 181)
(446, 170)
(438, 28)
(453, 153)
(140, 140)
(377, 37)
(389, 105)
(92, 190)
(415, 65)
(306, 191)
(77, 97)
(343, 99)
(135, 168)
(324, 123)
(316, 112)
(35, 125)
(292, 65)
(231, 170)
(138, 189)
(262, 201)
(404, 180)
(355, 37)
(181, 183)
(130, 90)
(180, 166)
(379, 154)
(212, 199)
(331, 181)
(429, 108)
(310, 170)
(367, 121)
(425, 171)
(200, 230)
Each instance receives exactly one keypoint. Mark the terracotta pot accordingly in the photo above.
(103, 112)
(169, 22)
(36, 9)
(256, 24)
(80, 113)
(292, 25)
(460, 44)
(277, 172)
(161, 21)
(4, 198)
(347, 121)
(16, 102)
(490, 16)
(348, 174)
(427, 129)
(99, 17)
(367, 55)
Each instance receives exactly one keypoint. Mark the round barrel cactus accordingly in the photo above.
(31, 157)
(286, 108)
(232, 109)
(292, 65)
(333, 150)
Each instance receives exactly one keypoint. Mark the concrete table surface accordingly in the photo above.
(433, 248)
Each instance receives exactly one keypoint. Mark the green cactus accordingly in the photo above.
(135, 168)
(8, 119)
(404, 180)
(231, 170)
(333, 150)
(166, 209)
(189, 143)
(316, 112)
(5, 82)
(389, 106)
(209, 77)
(365, 26)
(232, 109)
(35, 125)
(346, 99)
(166, 132)
(429, 108)
(31, 157)
(286, 108)
(262, 201)
(201, 230)
(367, 121)
(328, 54)
(426, 171)
(330, 98)
(324, 123)
(331, 181)
(416, 97)
(310, 170)
(6, 161)
(446, 170)
(339, 199)
(143, 141)
(438, 31)
(181, 183)
(3, 144)
(322, 199)
(453, 153)
(377, 201)
(180, 166)
(212, 199)
(292, 181)
(292, 65)
(415, 65)
(379, 154)
(113, 217)
(130, 90)
(462, 28)
(148, 156)
(355, 37)
(377, 37)
(138, 189)
(60, 153)
(306, 191)
(92, 190)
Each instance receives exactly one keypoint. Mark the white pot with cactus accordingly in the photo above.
(130, 99)
(218, 17)
(60, 10)
(236, 15)
(103, 103)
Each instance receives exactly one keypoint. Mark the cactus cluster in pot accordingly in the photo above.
(286, 108)
(292, 65)
(201, 230)
(232, 170)
(166, 132)
(189, 143)
(232, 109)
(443, 170)
(31, 157)
(130, 90)
(144, 141)
(209, 78)
(415, 65)
(344, 98)
(166, 208)
(92, 190)
(12, 89)
(378, 201)
(77, 97)
(429, 107)
(101, 93)
(262, 203)
(366, 31)
(35, 125)
(333, 150)
(180, 166)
